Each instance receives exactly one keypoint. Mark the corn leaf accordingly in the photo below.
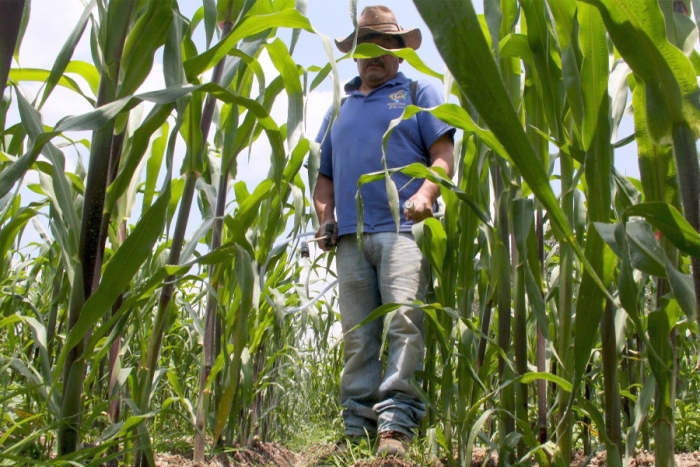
(638, 30)
(295, 111)
(595, 133)
(682, 287)
(119, 271)
(102, 115)
(145, 37)
(139, 145)
(62, 62)
(671, 223)
(645, 253)
(460, 40)
(529, 377)
(34, 74)
(369, 50)
(657, 169)
(250, 25)
(548, 71)
(564, 15)
(10, 231)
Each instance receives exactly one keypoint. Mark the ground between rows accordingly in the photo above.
(274, 455)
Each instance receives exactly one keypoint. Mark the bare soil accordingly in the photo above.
(274, 455)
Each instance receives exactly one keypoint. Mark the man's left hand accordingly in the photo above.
(422, 208)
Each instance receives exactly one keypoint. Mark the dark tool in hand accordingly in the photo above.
(330, 228)
(327, 237)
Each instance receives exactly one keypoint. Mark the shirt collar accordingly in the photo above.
(353, 85)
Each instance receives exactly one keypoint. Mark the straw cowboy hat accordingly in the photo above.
(380, 20)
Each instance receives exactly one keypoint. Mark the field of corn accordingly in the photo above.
(149, 305)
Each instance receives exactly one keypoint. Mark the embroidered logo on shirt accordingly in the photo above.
(398, 100)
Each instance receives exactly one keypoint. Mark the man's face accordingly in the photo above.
(378, 70)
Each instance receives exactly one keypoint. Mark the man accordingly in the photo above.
(390, 267)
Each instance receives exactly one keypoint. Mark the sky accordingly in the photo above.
(51, 22)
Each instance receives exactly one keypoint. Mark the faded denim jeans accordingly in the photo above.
(390, 269)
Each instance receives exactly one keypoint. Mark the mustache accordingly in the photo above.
(375, 61)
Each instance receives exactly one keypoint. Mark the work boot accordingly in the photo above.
(393, 443)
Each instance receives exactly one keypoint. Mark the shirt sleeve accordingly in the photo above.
(431, 128)
(324, 139)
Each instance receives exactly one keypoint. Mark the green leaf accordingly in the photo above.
(516, 46)
(627, 286)
(99, 117)
(607, 233)
(595, 414)
(564, 15)
(250, 25)
(596, 131)
(139, 145)
(529, 377)
(641, 410)
(210, 20)
(590, 302)
(296, 160)
(683, 290)
(153, 166)
(62, 61)
(33, 74)
(435, 243)
(148, 34)
(419, 170)
(548, 70)
(119, 271)
(671, 223)
(245, 276)
(369, 50)
(248, 210)
(192, 132)
(31, 121)
(474, 432)
(232, 10)
(295, 111)
(523, 213)
(360, 209)
(638, 30)
(87, 71)
(173, 70)
(596, 134)
(660, 324)
(461, 43)
(644, 250)
(289, 72)
(392, 194)
(453, 115)
(657, 169)
(10, 231)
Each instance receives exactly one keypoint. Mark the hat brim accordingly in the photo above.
(412, 38)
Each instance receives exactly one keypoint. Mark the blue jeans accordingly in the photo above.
(389, 269)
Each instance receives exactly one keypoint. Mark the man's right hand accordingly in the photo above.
(323, 232)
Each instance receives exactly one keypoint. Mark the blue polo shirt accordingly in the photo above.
(354, 147)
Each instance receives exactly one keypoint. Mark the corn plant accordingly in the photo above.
(580, 119)
(115, 337)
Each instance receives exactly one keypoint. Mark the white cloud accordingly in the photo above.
(50, 24)
(316, 107)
